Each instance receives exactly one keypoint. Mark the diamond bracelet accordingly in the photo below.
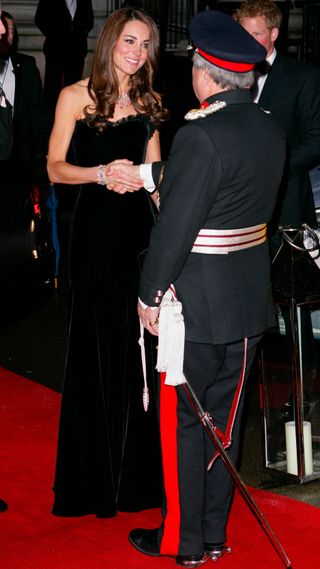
(101, 175)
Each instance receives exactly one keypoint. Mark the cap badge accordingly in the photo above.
(205, 110)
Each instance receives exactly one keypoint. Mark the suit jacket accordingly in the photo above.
(31, 123)
(54, 20)
(223, 173)
(6, 132)
(292, 94)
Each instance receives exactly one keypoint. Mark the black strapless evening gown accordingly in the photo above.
(108, 455)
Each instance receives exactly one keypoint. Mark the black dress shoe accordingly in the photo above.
(216, 550)
(146, 541)
(3, 506)
(192, 560)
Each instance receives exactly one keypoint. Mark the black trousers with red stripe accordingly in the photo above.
(197, 502)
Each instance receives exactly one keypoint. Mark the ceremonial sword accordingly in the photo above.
(210, 429)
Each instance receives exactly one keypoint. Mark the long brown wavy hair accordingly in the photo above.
(103, 86)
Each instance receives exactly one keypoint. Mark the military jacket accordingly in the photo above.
(223, 172)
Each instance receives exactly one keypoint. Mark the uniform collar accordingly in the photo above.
(231, 97)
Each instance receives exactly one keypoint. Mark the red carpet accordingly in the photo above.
(32, 538)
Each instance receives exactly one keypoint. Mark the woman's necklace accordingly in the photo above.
(123, 100)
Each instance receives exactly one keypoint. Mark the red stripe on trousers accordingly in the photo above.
(168, 430)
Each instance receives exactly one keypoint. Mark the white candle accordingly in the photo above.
(291, 447)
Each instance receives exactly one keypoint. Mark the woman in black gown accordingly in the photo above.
(108, 455)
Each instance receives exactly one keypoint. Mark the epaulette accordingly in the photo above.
(205, 111)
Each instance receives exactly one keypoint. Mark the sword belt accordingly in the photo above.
(224, 241)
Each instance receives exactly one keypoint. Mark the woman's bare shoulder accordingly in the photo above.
(75, 97)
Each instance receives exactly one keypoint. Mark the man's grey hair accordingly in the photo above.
(225, 79)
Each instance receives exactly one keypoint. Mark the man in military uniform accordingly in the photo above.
(217, 195)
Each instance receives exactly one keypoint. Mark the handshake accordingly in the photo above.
(123, 176)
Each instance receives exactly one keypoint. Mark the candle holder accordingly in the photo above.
(289, 362)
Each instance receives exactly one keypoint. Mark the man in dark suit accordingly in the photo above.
(291, 92)
(3, 154)
(6, 130)
(210, 243)
(21, 83)
(65, 25)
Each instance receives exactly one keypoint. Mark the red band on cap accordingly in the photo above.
(229, 65)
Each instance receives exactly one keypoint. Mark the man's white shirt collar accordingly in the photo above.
(262, 78)
(72, 7)
(8, 82)
(272, 57)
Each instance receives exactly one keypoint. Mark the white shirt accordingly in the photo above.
(262, 78)
(72, 7)
(7, 80)
(146, 176)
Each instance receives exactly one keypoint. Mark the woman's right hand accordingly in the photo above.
(123, 176)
